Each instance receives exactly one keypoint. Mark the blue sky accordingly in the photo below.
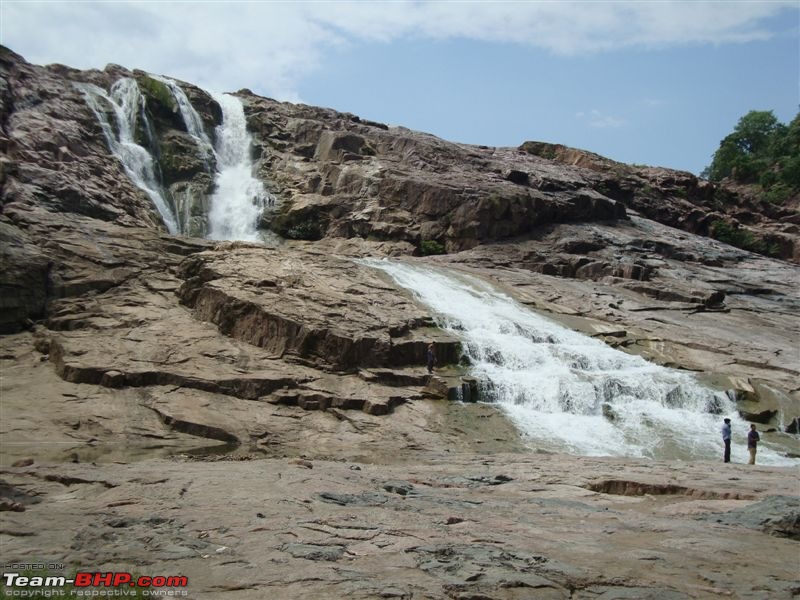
(656, 83)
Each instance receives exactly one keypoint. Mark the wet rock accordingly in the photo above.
(470, 389)
(763, 417)
(608, 411)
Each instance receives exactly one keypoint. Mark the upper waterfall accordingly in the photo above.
(238, 198)
(567, 391)
(193, 122)
(127, 104)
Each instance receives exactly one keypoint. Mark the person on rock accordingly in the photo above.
(752, 443)
(726, 439)
(431, 357)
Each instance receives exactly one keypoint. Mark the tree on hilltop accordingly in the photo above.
(763, 151)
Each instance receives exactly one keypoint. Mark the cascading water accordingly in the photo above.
(238, 198)
(193, 122)
(128, 106)
(567, 391)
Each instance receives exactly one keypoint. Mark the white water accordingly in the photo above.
(128, 106)
(193, 122)
(238, 198)
(553, 382)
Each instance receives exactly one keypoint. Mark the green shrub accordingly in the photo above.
(742, 238)
(790, 171)
(305, 230)
(429, 247)
(768, 179)
(542, 149)
(778, 193)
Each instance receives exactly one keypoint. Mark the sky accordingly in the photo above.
(648, 82)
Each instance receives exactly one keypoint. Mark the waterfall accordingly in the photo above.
(568, 392)
(128, 106)
(193, 122)
(238, 198)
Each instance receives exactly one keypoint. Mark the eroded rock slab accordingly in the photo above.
(279, 528)
(302, 302)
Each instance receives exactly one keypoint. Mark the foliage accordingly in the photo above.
(429, 247)
(306, 224)
(762, 151)
(741, 238)
(542, 149)
(304, 230)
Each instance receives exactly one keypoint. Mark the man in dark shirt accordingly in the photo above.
(752, 443)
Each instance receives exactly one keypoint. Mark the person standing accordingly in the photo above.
(726, 439)
(431, 357)
(752, 443)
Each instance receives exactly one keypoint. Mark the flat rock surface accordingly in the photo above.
(446, 525)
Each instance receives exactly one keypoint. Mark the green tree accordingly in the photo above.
(755, 132)
(761, 150)
(741, 154)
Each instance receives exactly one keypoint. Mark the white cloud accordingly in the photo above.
(599, 120)
(271, 46)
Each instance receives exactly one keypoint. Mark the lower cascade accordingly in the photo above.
(568, 392)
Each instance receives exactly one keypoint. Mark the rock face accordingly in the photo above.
(137, 344)
(341, 177)
(681, 200)
(535, 218)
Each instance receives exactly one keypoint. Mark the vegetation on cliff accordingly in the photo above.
(763, 151)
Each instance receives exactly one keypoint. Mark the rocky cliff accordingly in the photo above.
(130, 334)
(76, 226)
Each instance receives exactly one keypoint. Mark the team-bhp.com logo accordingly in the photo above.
(24, 586)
